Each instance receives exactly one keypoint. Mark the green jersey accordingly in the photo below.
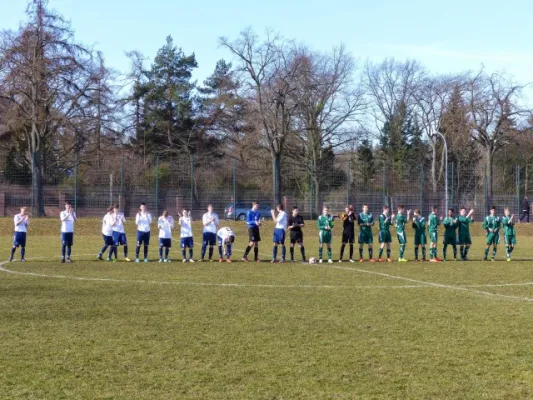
(401, 220)
(385, 222)
(364, 219)
(419, 224)
(508, 226)
(463, 224)
(491, 222)
(433, 223)
(324, 222)
(450, 226)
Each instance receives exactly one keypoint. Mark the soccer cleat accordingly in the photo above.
(292, 259)
(438, 259)
(99, 256)
(137, 260)
(10, 259)
(330, 261)
(372, 260)
(24, 260)
(361, 260)
(402, 260)
(69, 260)
(433, 260)
(127, 259)
(62, 260)
(184, 260)
(320, 261)
(220, 260)
(272, 262)
(417, 260)
(484, 259)
(160, 260)
(389, 259)
(109, 259)
(352, 261)
(380, 259)
(492, 259)
(168, 260)
(245, 259)
(340, 261)
(258, 261)
(508, 259)
(281, 261)
(228, 260)
(145, 260)
(191, 260)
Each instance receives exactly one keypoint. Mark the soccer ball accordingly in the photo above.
(312, 260)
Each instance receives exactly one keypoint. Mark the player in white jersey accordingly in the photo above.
(107, 234)
(68, 218)
(119, 233)
(225, 237)
(165, 223)
(210, 223)
(22, 222)
(280, 218)
(143, 219)
(186, 236)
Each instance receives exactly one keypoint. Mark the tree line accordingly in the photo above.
(276, 105)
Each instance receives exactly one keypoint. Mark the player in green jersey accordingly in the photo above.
(399, 223)
(492, 224)
(325, 224)
(385, 238)
(450, 234)
(464, 240)
(509, 232)
(365, 220)
(419, 225)
(433, 228)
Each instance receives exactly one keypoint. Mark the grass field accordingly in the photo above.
(99, 330)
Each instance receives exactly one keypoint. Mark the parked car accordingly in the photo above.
(238, 210)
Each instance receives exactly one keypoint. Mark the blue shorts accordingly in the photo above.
(143, 237)
(108, 240)
(163, 242)
(209, 238)
(187, 242)
(19, 239)
(119, 239)
(67, 238)
(279, 236)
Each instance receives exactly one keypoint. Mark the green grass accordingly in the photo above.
(99, 330)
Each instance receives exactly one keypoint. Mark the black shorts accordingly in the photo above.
(253, 234)
(348, 237)
(297, 237)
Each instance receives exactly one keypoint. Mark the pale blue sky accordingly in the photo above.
(449, 36)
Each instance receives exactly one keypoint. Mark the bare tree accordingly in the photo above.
(268, 74)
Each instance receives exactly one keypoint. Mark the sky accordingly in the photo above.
(447, 37)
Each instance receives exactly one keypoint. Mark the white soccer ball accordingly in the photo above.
(312, 260)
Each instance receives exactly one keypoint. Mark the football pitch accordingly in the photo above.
(100, 330)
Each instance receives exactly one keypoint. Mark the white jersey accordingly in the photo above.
(143, 221)
(210, 227)
(186, 227)
(67, 221)
(118, 222)
(21, 223)
(281, 220)
(107, 225)
(224, 233)
(165, 224)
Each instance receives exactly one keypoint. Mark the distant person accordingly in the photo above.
(186, 235)
(348, 231)
(119, 233)
(279, 216)
(143, 220)
(68, 218)
(509, 232)
(225, 237)
(107, 234)
(525, 210)
(165, 223)
(492, 224)
(22, 222)
(253, 220)
(296, 223)
(210, 222)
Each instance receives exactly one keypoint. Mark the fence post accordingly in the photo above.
(518, 181)
(110, 188)
(311, 209)
(485, 193)
(234, 189)
(76, 181)
(33, 188)
(452, 191)
(192, 184)
(157, 184)
(121, 199)
(349, 184)
(421, 189)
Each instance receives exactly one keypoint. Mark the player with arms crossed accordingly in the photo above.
(253, 220)
(165, 223)
(143, 219)
(107, 234)
(325, 224)
(348, 231)
(210, 223)
(419, 225)
(384, 236)
(296, 223)
(450, 234)
(119, 233)
(399, 223)
(433, 228)
(22, 222)
(464, 240)
(509, 232)
(68, 218)
(365, 220)
(278, 238)
(492, 224)
(187, 240)
(225, 237)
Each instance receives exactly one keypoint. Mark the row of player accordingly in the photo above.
(457, 232)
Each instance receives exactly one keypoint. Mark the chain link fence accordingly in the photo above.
(193, 182)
